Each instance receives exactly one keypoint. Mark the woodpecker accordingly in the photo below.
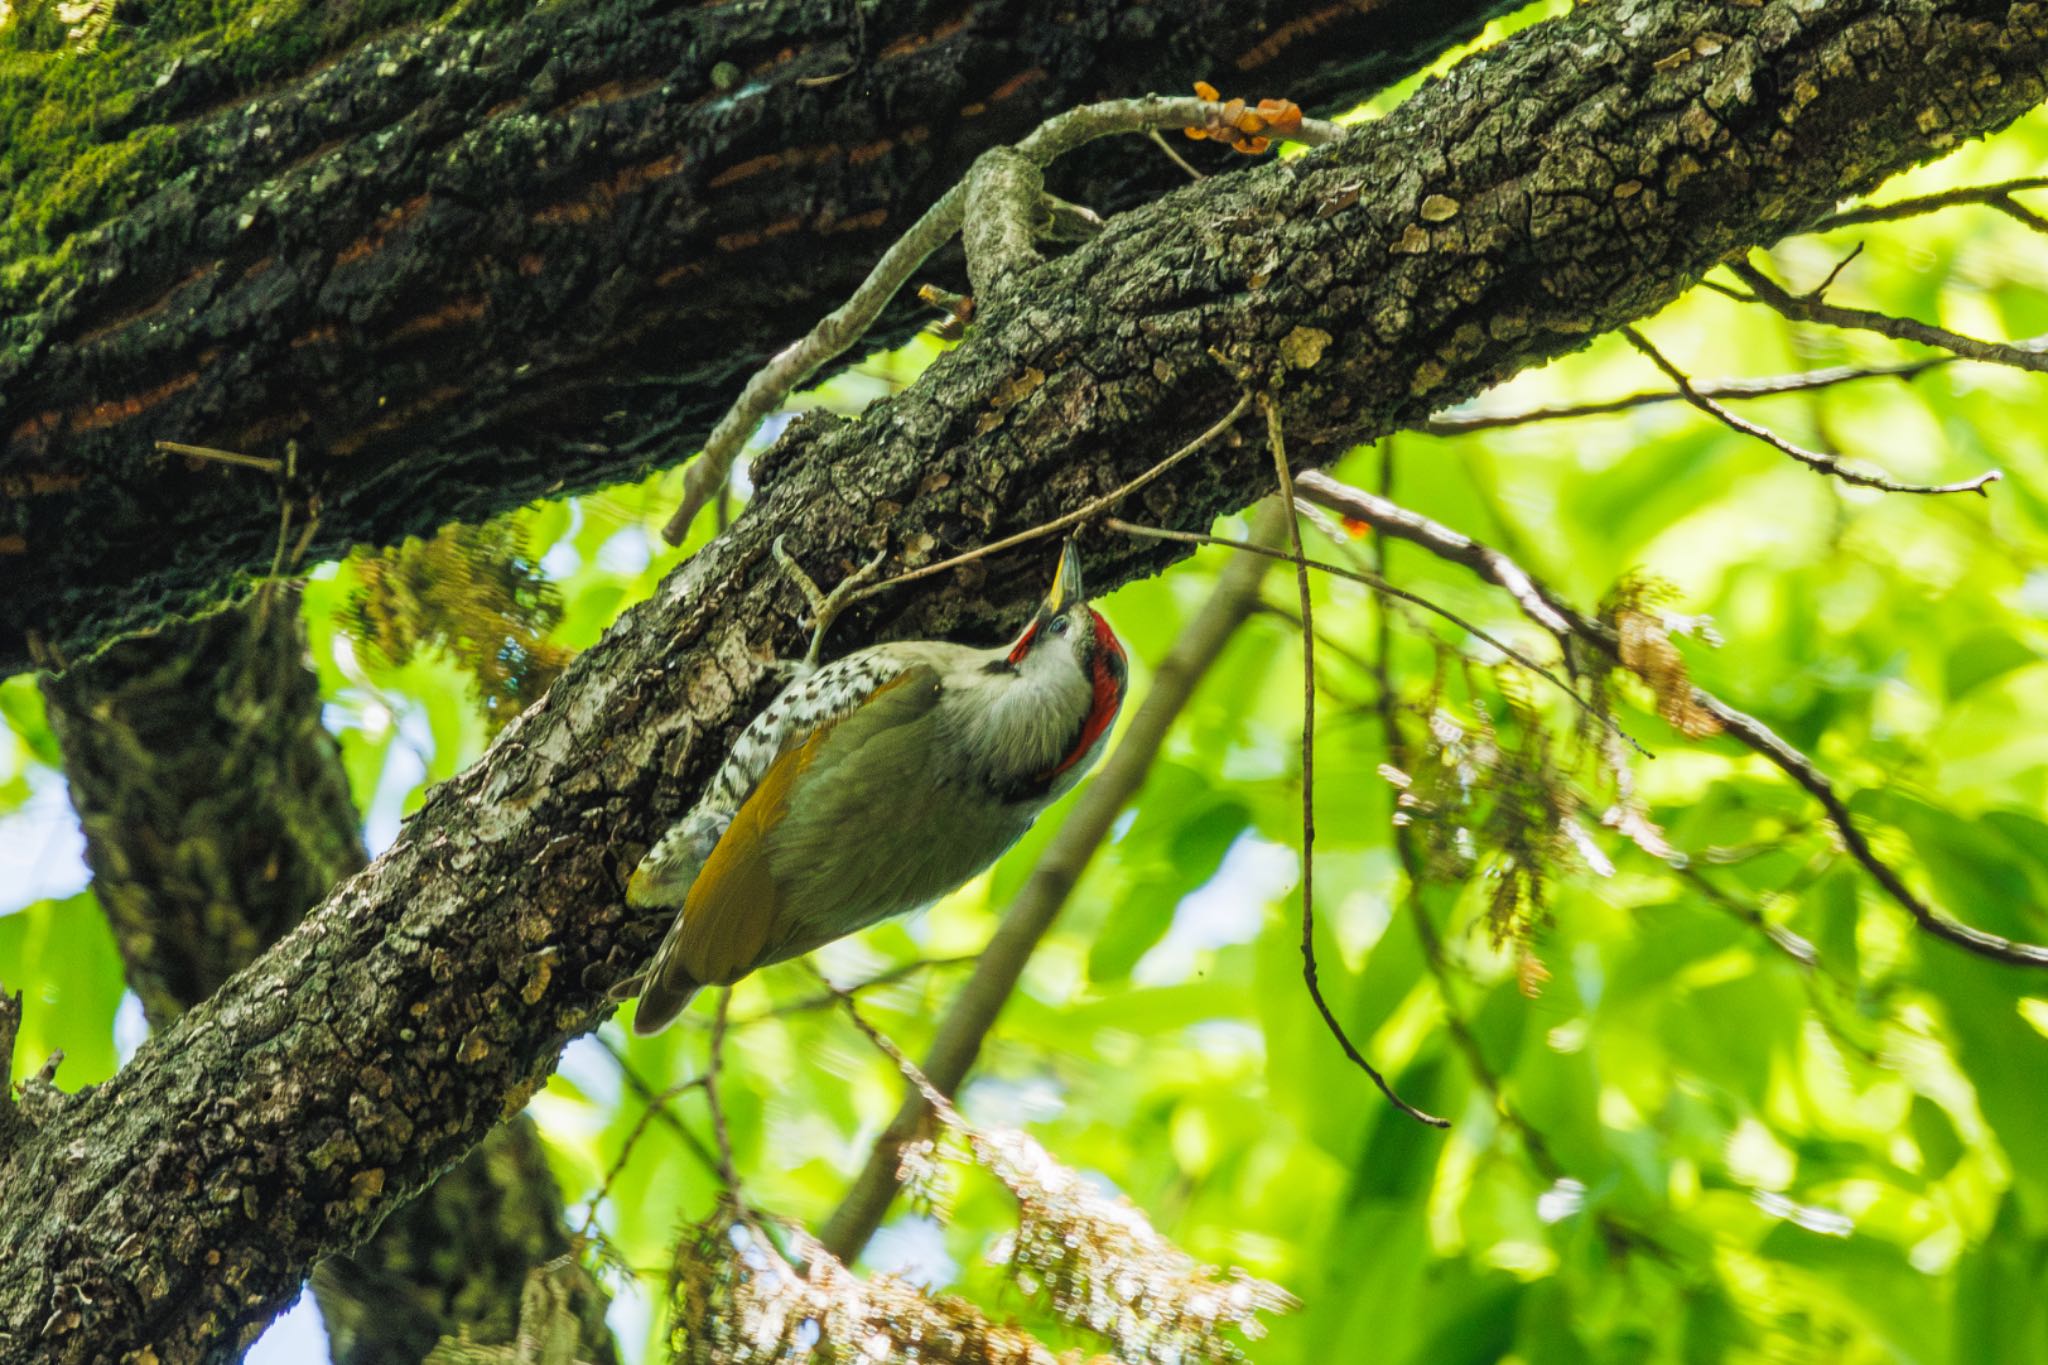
(873, 786)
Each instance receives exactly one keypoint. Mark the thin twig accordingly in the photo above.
(1818, 461)
(1373, 581)
(941, 1103)
(726, 1170)
(262, 462)
(2028, 356)
(654, 1106)
(639, 1085)
(1730, 388)
(801, 359)
(834, 994)
(1175, 157)
(1060, 523)
(1802, 770)
(1276, 438)
(1997, 196)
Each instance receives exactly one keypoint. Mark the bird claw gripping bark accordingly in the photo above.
(825, 606)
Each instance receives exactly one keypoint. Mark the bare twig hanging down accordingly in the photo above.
(1818, 461)
(1540, 1155)
(845, 324)
(1276, 437)
(1728, 388)
(1999, 196)
(974, 1009)
(1809, 308)
(1752, 732)
(1175, 157)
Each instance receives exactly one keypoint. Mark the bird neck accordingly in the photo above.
(1019, 727)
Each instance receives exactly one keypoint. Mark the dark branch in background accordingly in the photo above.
(1811, 308)
(1276, 437)
(1454, 425)
(1815, 460)
(216, 812)
(973, 1012)
(1487, 563)
(215, 806)
(1999, 197)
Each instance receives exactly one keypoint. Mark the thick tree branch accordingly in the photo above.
(610, 210)
(216, 813)
(1559, 184)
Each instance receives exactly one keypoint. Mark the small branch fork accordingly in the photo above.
(839, 329)
(286, 472)
(1811, 307)
(1815, 460)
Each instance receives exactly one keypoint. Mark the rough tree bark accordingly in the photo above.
(609, 210)
(216, 813)
(1575, 177)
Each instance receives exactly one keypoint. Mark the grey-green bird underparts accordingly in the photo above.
(873, 786)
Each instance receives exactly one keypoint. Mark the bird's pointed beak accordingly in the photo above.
(1066, 587)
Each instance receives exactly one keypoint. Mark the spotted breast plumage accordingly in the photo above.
(872, 786)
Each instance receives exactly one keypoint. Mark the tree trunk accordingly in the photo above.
(216, 813)
(467, 266)
(1568, 180)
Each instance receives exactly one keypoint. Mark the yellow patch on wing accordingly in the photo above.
(729, 919)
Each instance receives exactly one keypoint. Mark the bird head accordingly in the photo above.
(1065, 633)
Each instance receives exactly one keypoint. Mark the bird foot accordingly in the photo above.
(825, 606)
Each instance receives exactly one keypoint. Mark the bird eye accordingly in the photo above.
(1059, 625)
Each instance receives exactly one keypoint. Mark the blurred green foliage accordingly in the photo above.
(1696, 1147)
